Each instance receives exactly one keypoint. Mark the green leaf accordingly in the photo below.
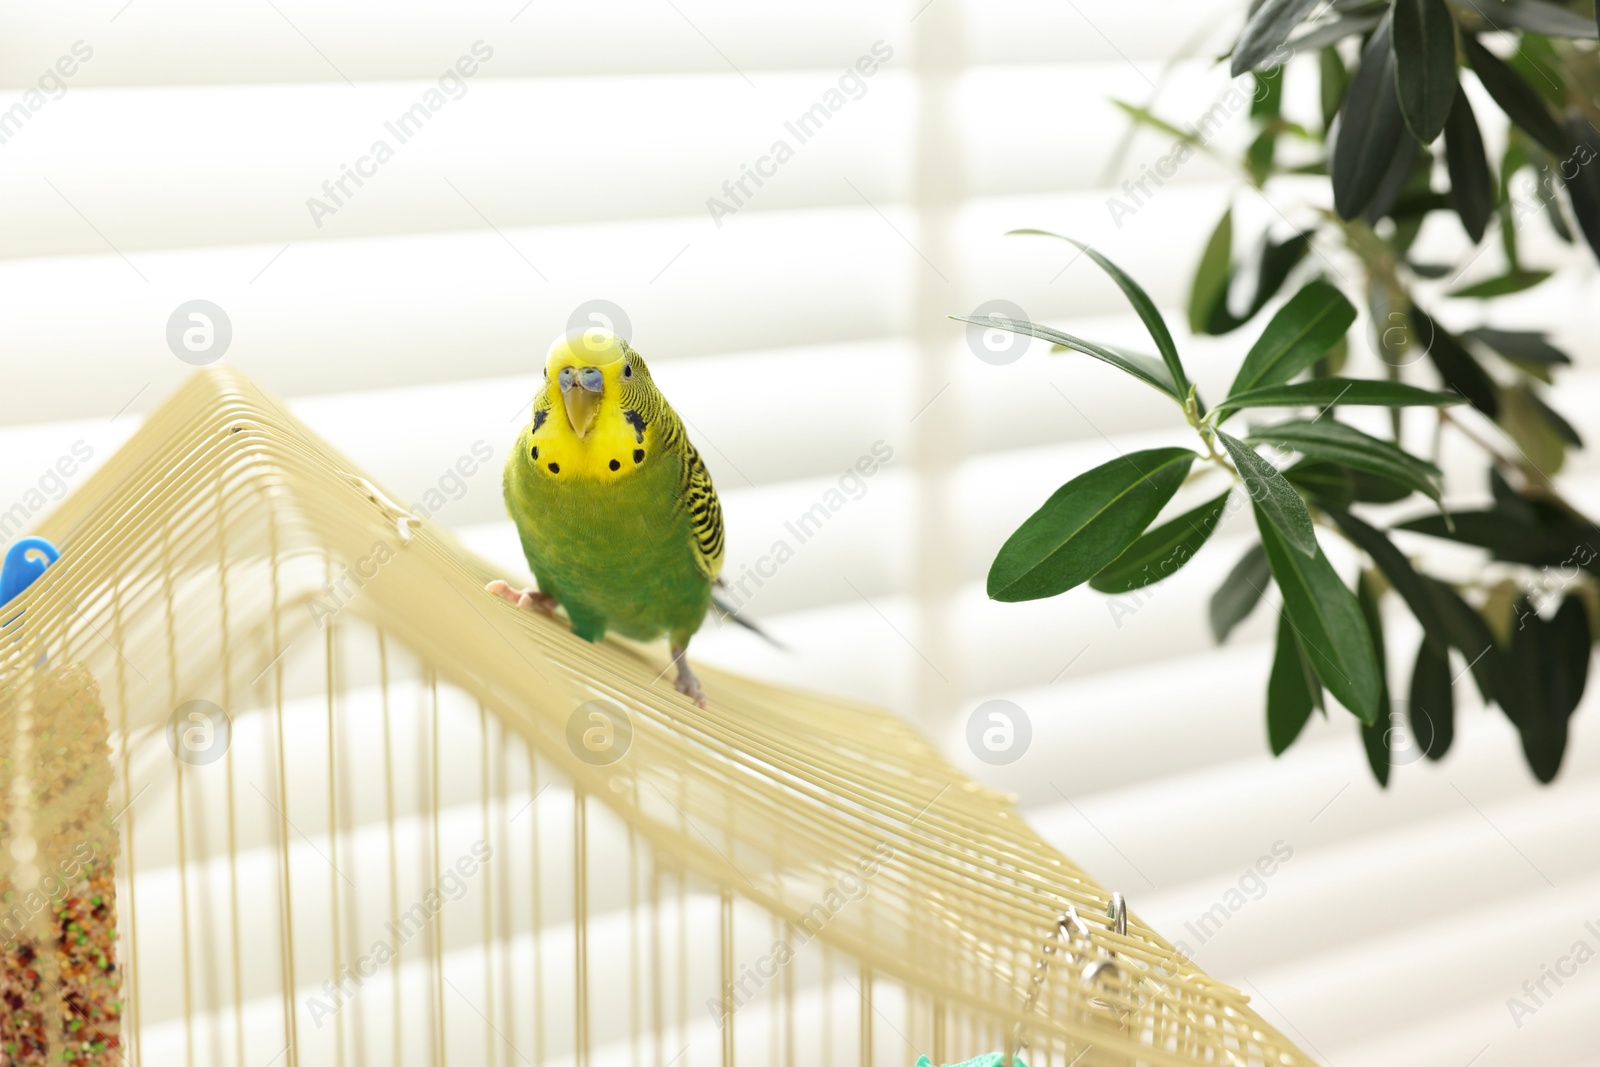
(1507, 538)
(1472, 192)
(1161, 551)
(1211, 277)
(1277, 259)
(1425, 65)
(1540, 434)
(1086, 524)
(1147, 370)
(1259, 156)
(1376, 736)
(1325, 392)
(1392, 336)
(1544, 735)
(1327, 33)
(1239, 592)
(1546, 672)
(1408, 159)
(1148, 313)
(1375, 741)
(1553, 212)
(1332, 362)
(1150, 365)
(1328, 622)
(1583, 188)
(1270, 26)
(1372, 488)
(1371, 128)
(1145, 117)
(1520, 101)
(1266, 96)
(1545, 19)
(1460, 371)
(1417, 594)
(1541, 371)
(1498, 610)
(1513, 281)
(1536, 60)
(1534, 509)
(1431, 710)
(1334, 441)
(1302, 330)
(1416, 200)
(1289, 685)
(1563, 429)
(1329, 484)
(1510, 501)
(1523, 346)
(1568, 650)
(1470, 635)
(1514, 159)
(1334, 485)
(1273, 495)
(1333, 80)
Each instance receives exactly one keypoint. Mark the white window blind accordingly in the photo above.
(596, 151)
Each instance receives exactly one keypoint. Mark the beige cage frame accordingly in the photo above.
(421, 710)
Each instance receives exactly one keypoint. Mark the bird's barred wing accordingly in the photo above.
(705, 512)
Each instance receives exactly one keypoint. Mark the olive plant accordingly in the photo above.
(1397, 139)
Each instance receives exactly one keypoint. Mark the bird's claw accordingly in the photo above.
(690, 687)
(527, 599)
(686, 682)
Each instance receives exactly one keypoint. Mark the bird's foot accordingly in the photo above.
(527, 599)
(686, 682)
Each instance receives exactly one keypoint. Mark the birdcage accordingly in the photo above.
(283, 785)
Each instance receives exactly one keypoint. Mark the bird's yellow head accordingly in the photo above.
(595, 414)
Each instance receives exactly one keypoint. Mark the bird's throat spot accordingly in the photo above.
(616, 466)
(638, 455)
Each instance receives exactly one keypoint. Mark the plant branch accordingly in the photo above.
(1535, 478)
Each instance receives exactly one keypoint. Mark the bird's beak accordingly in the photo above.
(581, 397)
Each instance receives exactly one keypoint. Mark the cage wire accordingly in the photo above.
(283, 785)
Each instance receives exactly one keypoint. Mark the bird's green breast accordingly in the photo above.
(617, 553)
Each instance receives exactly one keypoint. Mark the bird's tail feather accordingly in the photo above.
(725, 610)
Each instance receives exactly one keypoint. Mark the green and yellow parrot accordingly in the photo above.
(614, 506)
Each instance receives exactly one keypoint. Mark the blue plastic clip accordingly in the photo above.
(25, 561)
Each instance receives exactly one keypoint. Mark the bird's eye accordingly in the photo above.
(627, 370)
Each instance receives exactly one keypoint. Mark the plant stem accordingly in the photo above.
(1535, 478)
(1204, 426)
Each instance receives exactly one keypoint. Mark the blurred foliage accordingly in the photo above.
(1396, 139)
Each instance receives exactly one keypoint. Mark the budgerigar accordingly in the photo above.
(614, 506)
